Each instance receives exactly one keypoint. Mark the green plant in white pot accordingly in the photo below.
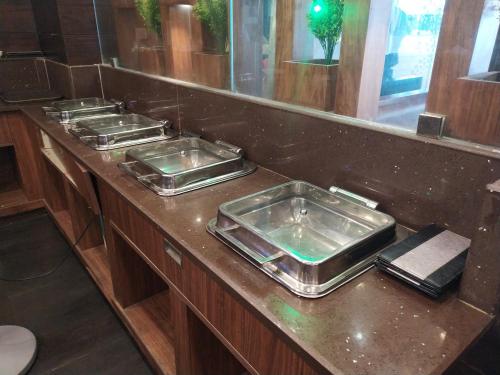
(325, 22)
(213, 15)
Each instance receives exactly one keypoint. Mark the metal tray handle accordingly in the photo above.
(52, 113)
(126, 167)
(237, 150)
(259, 258)
(172, 252)
(353, 197)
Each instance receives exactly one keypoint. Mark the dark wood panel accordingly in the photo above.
(133, 280)
(126, 19)
(53, 183)
(27, 145)
(211, 69)
(354, 34)
(200, 352)
(455, 47)
(240, 327)
(152, 60)
(142, 234)
(474, 111)
(82, 49)
(77, 18)
(5, 137)
(83, 220)
(308, 84)
(17, 26)
(284, 42)
(16, 16)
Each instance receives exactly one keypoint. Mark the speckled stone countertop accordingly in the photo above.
(372, 325)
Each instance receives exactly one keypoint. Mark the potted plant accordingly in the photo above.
(312, 82)
(210, 66)
(151, 58)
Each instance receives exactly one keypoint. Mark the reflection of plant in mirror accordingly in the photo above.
(213, 14)
(325, 22)
(149, 10)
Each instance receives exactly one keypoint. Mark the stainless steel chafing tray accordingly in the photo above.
(68, 111)
(109, 132)
(177, 166)
(310, 240)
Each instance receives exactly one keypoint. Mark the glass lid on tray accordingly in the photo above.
(109, 132)
(66, 111)
(188, 163)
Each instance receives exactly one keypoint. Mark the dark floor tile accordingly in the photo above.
(77, 331)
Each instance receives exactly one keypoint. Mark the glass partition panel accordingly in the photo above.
(410, 50)
(385, 61)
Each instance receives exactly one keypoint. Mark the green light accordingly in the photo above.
(317, 8)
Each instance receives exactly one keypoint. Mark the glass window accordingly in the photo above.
(409, 59)
(382, 60)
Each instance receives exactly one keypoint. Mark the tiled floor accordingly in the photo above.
(76, 329)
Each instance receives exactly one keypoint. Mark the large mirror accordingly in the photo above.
(386, 61)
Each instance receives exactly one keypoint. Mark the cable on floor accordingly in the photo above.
(50, 272)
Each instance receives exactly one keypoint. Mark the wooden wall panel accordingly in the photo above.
(352, 50)
(362, 58)
(474, 111)
(180, 19)
(284, 44)
(455, 47)
(17, 26)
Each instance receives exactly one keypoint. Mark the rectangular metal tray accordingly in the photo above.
(110, 132)
(69, 111)
(308, 239)
(177, 166)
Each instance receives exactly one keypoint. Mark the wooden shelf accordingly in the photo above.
(63, 221)
(52, 156)
(96, 261)
(150, 322)
(12, 195)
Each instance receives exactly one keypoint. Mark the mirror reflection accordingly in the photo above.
(386, 61)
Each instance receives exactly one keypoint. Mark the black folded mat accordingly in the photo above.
(430, 260)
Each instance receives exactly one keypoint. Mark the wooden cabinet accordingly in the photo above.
(206, 330)
(184, 320)
(158, 251)
(20, 189)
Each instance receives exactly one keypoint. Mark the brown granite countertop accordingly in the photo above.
(373, 325)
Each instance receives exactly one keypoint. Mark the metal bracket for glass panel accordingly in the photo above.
(353, 197)
(431, 124)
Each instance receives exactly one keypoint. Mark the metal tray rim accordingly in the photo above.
(163, 174)
(315, 290)
(124, 144)
(154, 124)
(106, 104)
(265, 237)
(248, 167)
